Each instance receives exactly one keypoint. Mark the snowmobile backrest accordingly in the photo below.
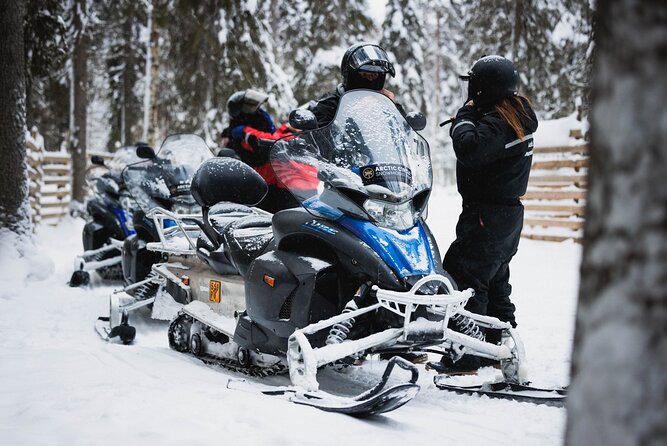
(227, 179)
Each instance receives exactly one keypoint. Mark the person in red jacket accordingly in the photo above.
(251, 135)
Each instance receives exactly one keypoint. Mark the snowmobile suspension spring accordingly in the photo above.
(339, 332)
(467, 326)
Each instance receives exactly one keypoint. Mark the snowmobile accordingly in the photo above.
(355, 271)
(109, 220)
(115, 237)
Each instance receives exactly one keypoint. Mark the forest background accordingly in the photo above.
(145, 69)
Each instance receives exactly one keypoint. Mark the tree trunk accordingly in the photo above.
(618, 394)
(155, 59)
(79, 102)
(14, 204)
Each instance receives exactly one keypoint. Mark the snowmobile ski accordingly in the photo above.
(126, 333)
(509, 391)
(377, 400)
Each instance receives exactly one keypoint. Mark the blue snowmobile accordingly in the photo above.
(354, 271)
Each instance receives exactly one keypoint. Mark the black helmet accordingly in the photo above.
(365, 57)
(245, 102)
(491, 79)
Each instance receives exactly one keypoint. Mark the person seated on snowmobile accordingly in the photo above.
(364, 65)
(492, 135)
(251, 134)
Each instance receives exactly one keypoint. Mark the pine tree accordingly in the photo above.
(117, 40)
(227, 47)
(445, 33)
(318, 44)
(14, 206)
(403, 34)
(523, 31)
(47, 95)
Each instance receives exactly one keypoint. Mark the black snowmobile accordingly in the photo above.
(115, 237)
(108, 215)
(355, 271)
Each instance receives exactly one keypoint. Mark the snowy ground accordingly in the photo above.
(60, 384)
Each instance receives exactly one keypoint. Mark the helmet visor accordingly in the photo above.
(371, 58)
(252, 100)
(464, 81)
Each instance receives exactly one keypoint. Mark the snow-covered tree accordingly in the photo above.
(544, 38)
(14, 206)
(47, 93)
(445, 38)
(117, 40)
(619, 385)
(318, 37)
(403, 37)
(212, 50)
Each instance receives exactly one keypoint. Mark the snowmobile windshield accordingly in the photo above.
(122, 157)
(368, 163)
(165, 180)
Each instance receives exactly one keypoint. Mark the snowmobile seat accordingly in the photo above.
(221, 216)
(248, 238)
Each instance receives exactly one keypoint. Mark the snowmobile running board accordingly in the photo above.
(508, 391)
(374, 401)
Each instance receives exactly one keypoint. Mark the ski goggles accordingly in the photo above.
(252, 100)
(371, 58)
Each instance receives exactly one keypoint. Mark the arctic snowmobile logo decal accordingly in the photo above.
(368, 173)
(316, 226)
(385, 173)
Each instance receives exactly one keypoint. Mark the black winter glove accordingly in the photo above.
(465, 113)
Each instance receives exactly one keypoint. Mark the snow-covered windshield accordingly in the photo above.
(166, 178)
(122, 157)
(368, 151)
(184, 149)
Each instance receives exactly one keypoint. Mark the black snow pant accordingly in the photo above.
(487, 237)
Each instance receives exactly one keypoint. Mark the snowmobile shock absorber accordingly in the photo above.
(339, 331)
(467, 326)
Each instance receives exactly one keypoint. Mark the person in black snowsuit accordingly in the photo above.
(364, 65)
(492, 136)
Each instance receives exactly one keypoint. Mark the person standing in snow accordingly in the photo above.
(364, 65)
(492, 135)
(251, 134)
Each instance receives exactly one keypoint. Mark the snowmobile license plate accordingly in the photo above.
(214, 291)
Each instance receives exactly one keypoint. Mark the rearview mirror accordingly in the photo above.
(302, 119)
(416, 120)
(97, 160)
(145, 151)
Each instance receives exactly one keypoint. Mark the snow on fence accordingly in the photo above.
(50, 176)
(556, 196)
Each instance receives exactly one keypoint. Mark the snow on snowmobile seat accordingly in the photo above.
(248, 238)
(225, 180)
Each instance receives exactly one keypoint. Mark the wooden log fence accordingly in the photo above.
(557, 188)
(50, 183)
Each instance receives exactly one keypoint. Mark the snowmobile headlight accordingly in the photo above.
(399, 216)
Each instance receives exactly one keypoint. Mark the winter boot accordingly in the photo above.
(467, 365)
